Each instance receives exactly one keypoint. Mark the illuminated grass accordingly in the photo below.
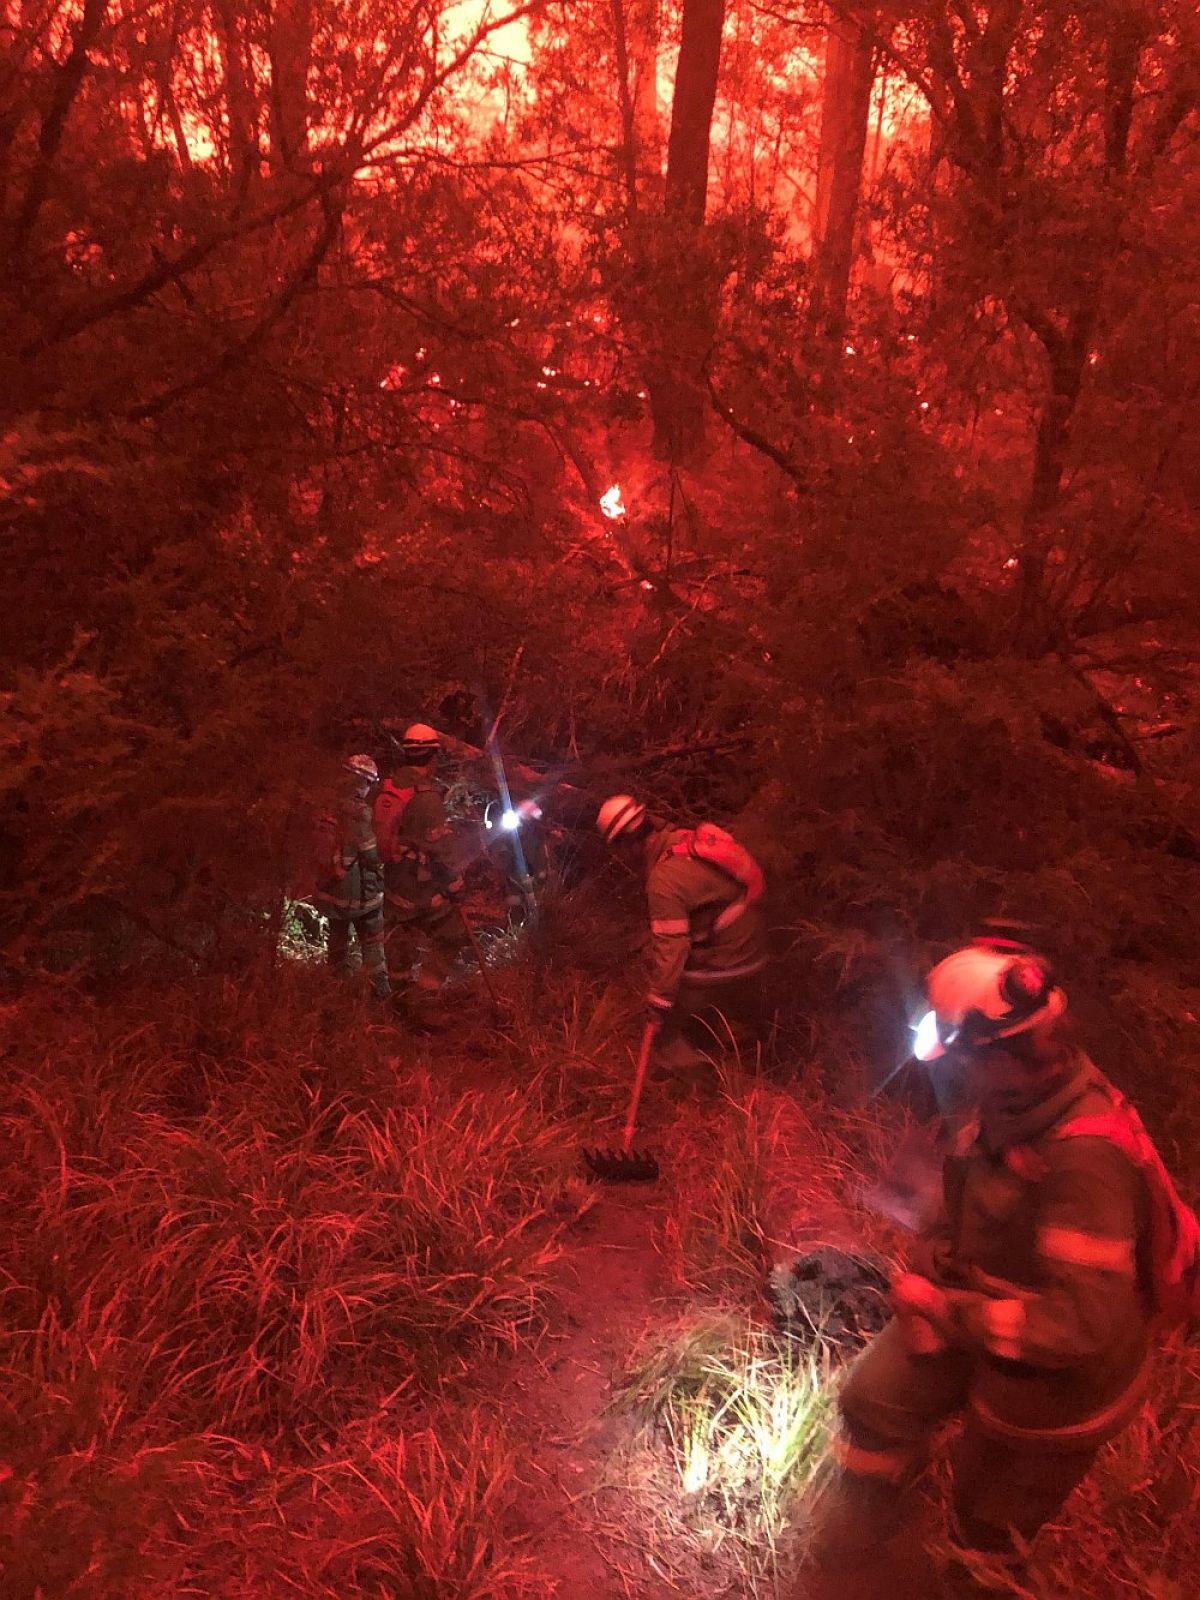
(745, 1420)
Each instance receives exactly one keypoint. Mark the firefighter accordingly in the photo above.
(708, 937)
(349, 889)
(421, 878)
(518, 839)
(1027, 1306)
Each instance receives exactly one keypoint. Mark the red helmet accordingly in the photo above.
(421, 741)
(981, 994)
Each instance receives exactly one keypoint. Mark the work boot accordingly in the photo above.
(853, 1521)
(896, 1569)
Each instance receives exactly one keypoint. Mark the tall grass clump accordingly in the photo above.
(222, 1240)
(745, 1418)
(404, 1513)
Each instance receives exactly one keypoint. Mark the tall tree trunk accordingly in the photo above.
(68, 80)
(244, 154)
(845, 114)
(692, 109)
(1067, 352)
(289, 45)
(643, 33)
(685, 287)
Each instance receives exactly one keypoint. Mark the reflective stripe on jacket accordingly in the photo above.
(353, 885)
(701, 929)
(1039, 1250)
(427, 874)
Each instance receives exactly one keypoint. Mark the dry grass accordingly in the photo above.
(262, 1249)
(233, 1254)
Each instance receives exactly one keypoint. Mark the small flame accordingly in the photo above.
(611, 503)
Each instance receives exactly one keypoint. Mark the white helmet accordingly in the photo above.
(981, 994)
(619, 815)
(362, 767)
(420, 740)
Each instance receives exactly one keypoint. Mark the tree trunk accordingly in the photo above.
(289, 44)
(845, 114)
(68, 79)
(1067, 355)
(239, 97)
(692, 109)
(643, 30)
(685, 283)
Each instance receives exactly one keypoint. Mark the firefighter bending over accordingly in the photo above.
(420, 874)
(517, 840)
(708, 937)
(349, 888)
(1027, 1308)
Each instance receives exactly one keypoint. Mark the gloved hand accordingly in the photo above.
(656, 1014)
(924, 1313)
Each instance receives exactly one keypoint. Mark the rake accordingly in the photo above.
(493, 997)
(628, 1165)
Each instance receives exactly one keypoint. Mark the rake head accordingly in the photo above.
(621, 1166)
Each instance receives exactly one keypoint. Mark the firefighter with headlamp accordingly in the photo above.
(1027, 1307)
(519, 848)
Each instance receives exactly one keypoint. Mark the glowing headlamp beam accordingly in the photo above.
(925, 1037)
(509, 810)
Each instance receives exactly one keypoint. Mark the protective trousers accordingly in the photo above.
(1004, 1490)
(369, 929)
(436, 936)
(713, 1018)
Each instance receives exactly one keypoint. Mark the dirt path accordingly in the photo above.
(575, 1516)
(603, 1513)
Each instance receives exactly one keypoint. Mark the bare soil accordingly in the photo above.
(577, 1519)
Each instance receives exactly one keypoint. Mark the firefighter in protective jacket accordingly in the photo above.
(420, 873)
(707, 932)
(349, 888)
(1027, 1308)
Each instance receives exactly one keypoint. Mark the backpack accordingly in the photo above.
(719, 849)
(390, 805)
(1172, 1248)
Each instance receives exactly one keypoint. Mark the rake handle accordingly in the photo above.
(639, 1079)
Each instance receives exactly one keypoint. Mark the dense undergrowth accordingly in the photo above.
(255, 1240)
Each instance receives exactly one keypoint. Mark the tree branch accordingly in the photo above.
(752, 437)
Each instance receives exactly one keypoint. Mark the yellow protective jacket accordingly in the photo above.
(702, 930)
(425, 875)
(1041, 1247)
(350, 884)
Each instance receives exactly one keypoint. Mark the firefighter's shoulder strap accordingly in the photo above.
(390, 805)
(1173, 1247)
(716, 848)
